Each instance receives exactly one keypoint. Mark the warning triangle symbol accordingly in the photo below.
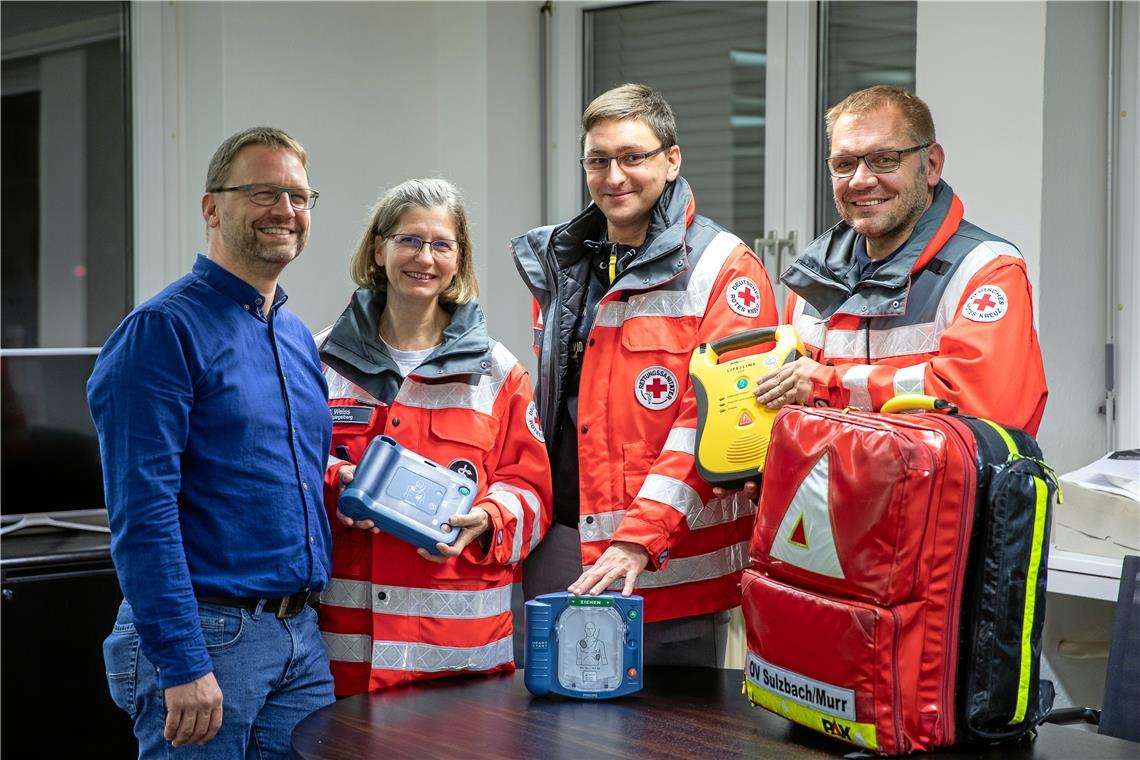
(804, 538)
(799, 536)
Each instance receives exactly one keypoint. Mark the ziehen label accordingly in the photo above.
(829, 699)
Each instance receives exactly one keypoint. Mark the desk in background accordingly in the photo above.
(60, 596)
(682, 713)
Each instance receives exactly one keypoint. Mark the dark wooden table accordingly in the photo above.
(682, 713)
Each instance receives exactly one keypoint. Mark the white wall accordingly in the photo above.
(1127, 243)
(377, 93)
(1072, 294)
(979, 68)
(1018, 94)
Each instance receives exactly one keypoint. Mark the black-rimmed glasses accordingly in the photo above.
(879, 162)
(625, 160)
(267, 195)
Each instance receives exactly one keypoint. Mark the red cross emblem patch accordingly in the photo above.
(532, 422)
(743, 297)
(656, 388)
(986, 304)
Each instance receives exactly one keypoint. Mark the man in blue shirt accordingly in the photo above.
(214, 431)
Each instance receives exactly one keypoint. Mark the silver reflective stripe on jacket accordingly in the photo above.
(811, 328)
(955, 291)
(602, 526)
(513, 499)
(931, 308)
(688, 569)
(691, 302)
(672, 492)
(407, 601)
(342, 387)
(855, 381)
(422, 658)
(681, 439)
(479, 396)
(911, 379)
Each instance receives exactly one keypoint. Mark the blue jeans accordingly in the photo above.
(272, 673)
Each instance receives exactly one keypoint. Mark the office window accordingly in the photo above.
(860, 44)
(709, 61)
(66, 243)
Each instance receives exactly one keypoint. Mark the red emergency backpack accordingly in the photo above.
(897, 591)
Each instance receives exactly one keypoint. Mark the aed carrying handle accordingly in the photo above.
(787, 342)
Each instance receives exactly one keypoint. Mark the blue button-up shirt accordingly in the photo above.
(214, 431)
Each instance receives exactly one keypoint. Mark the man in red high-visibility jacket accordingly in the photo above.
(624, 292)
(904, 295)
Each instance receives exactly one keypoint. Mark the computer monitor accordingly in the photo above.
(49, 451)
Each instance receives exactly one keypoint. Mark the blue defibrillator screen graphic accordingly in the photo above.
(590, 655)
(416, 491)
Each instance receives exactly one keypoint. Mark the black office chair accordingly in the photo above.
(1122, 677)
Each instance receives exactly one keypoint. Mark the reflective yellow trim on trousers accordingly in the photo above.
(859, 734)
(1027, 618)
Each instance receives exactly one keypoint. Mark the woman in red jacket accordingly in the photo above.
(410, 358)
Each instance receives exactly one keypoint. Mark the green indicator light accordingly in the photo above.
(632, 614)
(590, 601)
(464, 490)
(742, 383)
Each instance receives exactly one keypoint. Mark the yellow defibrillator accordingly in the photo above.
(733, 428)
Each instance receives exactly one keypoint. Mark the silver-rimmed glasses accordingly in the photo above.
(440, 249)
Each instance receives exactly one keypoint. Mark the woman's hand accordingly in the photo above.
(471, 526)
(344, 476)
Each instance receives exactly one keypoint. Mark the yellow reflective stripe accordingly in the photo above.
(1031, 598)
(1040, 506)
(859, 734)
(1005, 436)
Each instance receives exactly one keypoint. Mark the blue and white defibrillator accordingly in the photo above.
(583, 646)
(406, 495)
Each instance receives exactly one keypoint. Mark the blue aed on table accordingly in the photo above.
(584, 646)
